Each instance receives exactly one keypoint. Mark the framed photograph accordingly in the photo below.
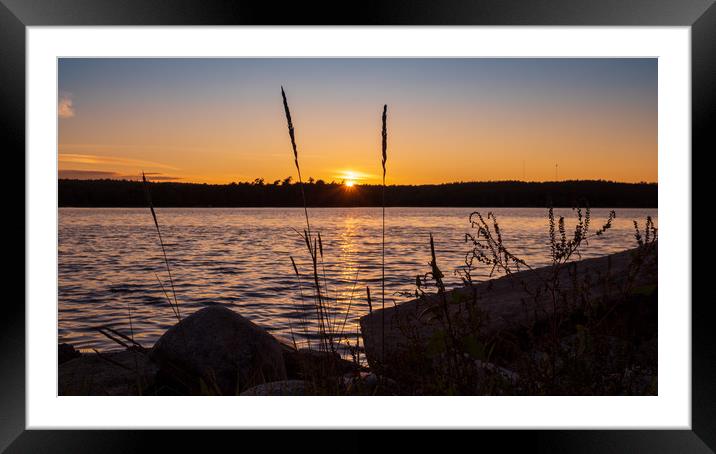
(475, 215)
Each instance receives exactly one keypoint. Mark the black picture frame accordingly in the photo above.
(16, 15)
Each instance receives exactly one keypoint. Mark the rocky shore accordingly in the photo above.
(503, 336)
(214, 351)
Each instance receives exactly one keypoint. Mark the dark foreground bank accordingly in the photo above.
(122, 193)
(594, 332)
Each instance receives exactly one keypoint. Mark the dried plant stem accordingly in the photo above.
(169, 300)
(300, 288)
(136, 360)
(350, 301)
(384, 148)
(370, 303)
(312, 248)
(292, 134)
(131, 327)
(326, 298)
(322, 314)
(161, 243)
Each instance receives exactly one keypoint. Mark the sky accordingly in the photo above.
(465, 119)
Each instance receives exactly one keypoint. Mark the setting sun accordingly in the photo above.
(351, 177)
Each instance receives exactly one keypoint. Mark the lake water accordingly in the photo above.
(240, 257)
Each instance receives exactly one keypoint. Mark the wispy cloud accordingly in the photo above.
(118, 147)
(75, 174)
(65, 109)
(110, 160)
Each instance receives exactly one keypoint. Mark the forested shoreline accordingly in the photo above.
(285, 193)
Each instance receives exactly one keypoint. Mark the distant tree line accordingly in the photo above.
(286, 193)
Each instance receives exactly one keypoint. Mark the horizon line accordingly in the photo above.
(281, 182)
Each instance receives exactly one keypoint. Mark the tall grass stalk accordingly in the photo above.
(384, 148)
(370, 303)
(348, 309)
(319, 299)
(131, 326)
(303, 318)
(327, 299)
(166, 296)
(311, 243)
(136, 360)
(292, 134)
(161, 243)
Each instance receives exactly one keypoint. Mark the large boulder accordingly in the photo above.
(409, 340)
(122, 373)
(217, 351)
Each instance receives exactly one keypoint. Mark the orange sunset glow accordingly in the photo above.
(221, 121)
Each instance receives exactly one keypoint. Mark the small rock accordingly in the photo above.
(368, 383)
(278, 388)
(66, 352)
(125, 373)
(307, 363)
(505, 374)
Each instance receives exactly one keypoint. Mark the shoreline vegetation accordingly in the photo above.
(573, 327)
(286, 193)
